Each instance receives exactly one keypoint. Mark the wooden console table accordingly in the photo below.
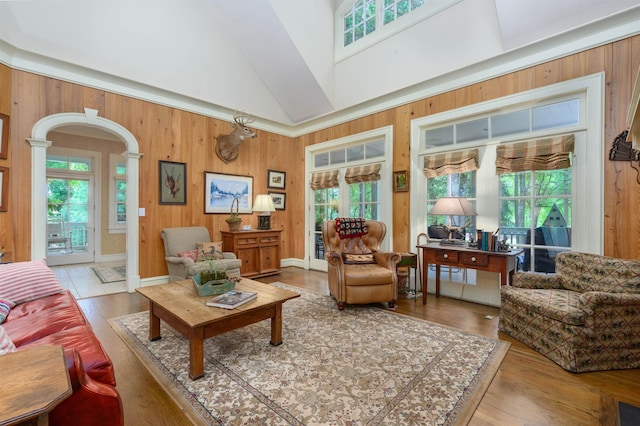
(259, 251)
(464, 257)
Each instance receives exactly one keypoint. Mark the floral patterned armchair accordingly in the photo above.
(586, 317)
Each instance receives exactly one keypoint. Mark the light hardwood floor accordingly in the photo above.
(528, 389)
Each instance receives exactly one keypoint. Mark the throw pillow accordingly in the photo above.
(209, 246)
(203, 256)
(5, 308)
(351, 227)
(209, 250)
(351, 259)
(192, 254)
(6, 345)
(24, 281)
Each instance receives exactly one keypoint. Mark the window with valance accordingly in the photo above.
(324, 179)
(541, 154)
(448, 163)
(366, 173)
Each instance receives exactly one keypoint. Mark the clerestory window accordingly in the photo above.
(362, 23)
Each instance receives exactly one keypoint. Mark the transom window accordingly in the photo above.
(65, 162)
(348, 154)
(552, 115)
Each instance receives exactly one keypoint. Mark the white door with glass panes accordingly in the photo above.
(70, 207)
(70, 219)
(358, 200)
(348, 178)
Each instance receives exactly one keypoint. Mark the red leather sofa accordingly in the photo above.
(57, 319)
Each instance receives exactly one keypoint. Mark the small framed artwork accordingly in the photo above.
(276, 179)
(279, 199)
(220, 190)
(173, 182)
(4, 188)
(4, 136)
(400, 181)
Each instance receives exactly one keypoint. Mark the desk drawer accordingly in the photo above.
(447, 256)
(474, 259)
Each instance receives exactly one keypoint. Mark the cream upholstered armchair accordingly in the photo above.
(358, 272)
(181, 253)
(586, 317)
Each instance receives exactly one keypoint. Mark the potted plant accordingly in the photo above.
(234, 220)
(213, 280)
(214, 273)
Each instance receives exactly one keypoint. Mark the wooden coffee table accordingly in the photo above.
(179, 305)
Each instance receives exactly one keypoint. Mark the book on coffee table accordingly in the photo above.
(232, 299)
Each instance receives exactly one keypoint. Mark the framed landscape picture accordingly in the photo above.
(279, 199)
(173, 182)
(220, 190)
(276, 179)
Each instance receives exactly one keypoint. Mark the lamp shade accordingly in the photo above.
(263, 203)
(453, 206)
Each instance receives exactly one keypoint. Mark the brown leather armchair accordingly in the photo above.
(371, 281)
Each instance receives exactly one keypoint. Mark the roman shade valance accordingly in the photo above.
(541, 154)
(450, 162)
(324, 179)
(366, 173)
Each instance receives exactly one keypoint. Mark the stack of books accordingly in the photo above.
(231, 299)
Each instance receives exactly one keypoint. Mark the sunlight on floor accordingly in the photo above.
(83, 282)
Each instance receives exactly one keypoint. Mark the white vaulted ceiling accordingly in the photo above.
(274, 58)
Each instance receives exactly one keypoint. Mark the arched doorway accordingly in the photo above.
(39, 145)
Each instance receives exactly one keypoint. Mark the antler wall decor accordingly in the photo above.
(621, 150)
(227, 145)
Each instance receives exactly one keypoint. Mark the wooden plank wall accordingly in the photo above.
(163, 133)
(619, 61)
(169, 134)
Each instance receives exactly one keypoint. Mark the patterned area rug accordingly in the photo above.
(363, 365)
(111, 273)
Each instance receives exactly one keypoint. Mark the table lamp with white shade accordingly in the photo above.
(452, 206)
(264, 204)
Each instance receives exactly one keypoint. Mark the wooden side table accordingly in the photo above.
(407, 262)
(33, 382)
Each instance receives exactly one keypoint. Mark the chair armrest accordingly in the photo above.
(186, 261)
(533, 280)
(228, 255)
(388, 259)
(334, 258)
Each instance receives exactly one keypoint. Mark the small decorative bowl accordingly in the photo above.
(212, 287)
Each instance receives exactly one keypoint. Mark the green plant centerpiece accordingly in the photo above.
(215, 272)
(213, 280)
(234, 220)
